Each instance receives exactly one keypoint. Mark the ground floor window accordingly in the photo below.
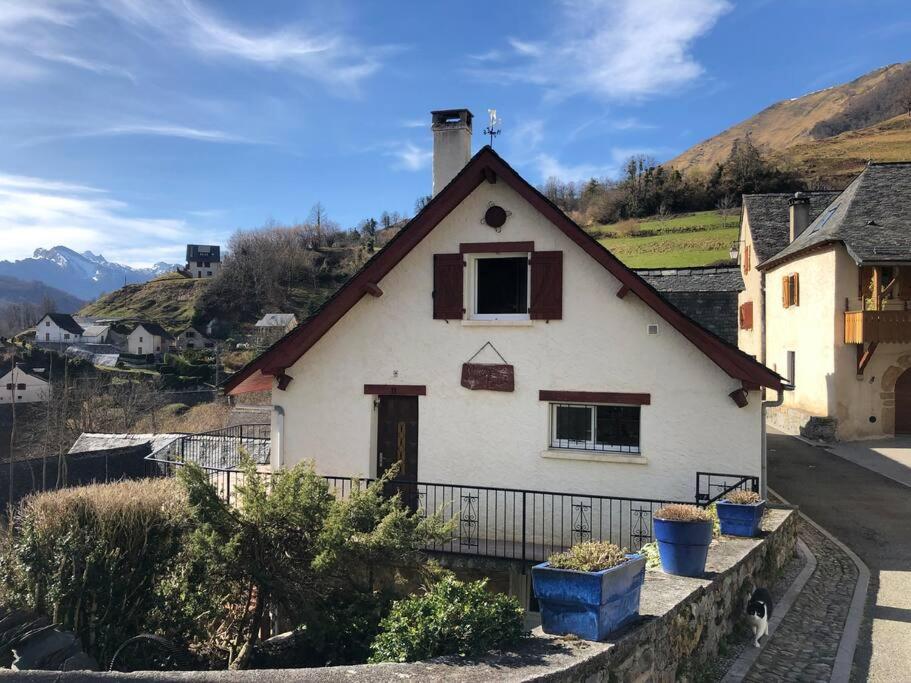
(610, 428)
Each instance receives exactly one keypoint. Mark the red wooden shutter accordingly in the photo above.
(795, 290)
(447, 286)
(785, 291)
(546, 285)
(746, 316)
(746, 259)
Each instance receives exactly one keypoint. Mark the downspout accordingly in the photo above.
(278, 424)
(764, 467)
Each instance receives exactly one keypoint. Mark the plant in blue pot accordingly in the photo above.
(684, 533)
(740, 513)
(589, 591)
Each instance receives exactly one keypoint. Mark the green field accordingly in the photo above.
(695, 239)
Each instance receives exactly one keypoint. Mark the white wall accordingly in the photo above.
(203, 270)
(48, 331)
(501, 439)
(750, 341)
(140, 341)
(36, 389)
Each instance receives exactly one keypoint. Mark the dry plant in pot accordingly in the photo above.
(684, 533)
(740, 513)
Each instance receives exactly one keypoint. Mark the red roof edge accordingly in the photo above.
(257, 375)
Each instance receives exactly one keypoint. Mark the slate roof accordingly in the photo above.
(155, 330)
(705, 279)
(65, 322)
(95, 330)
(770, 221)
(872, 218)
(204, 252)
(276, 320)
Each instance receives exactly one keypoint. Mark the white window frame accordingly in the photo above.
(472, 285)
(592, 445)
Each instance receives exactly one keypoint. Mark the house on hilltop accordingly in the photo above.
(203, 260)
(831, 303)
(493, 342)
(148, 338)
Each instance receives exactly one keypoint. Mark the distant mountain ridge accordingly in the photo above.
(806, 123)
(85, 276)
(16, 291)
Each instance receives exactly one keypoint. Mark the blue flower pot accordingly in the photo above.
(740, 520)
(588, 604)
(683, 546)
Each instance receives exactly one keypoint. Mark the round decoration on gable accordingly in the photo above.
(495, 216)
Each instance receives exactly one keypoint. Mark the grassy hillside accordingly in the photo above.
(170, 299)
(694, 239)
(865, 101)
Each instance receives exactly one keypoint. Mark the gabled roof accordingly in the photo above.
(95, 330)
(872, 218)
(154, 329)
(770, 219)
(65, 322)
(700, 279)
(276, 320)
(487, 166)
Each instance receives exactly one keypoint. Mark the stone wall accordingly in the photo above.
(682, 622)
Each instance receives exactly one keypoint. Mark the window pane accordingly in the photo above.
(502, 285)
(574, 423)
(618, 426)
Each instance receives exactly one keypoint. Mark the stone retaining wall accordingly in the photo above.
(682, 623)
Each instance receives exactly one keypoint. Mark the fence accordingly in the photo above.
(712, 486)
(220, 449)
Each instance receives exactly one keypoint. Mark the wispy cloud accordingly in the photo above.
(411, 157)
(148, 129)
(81, 217)
(333, 58)
(612, 49)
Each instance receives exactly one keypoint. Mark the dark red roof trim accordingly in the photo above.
(494, 247)
(257, 375)
(395, 389)
(595, 397)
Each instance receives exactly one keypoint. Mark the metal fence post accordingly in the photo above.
(523, 525)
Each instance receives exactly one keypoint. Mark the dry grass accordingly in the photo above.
(589, 557)
(742, 497)
(679, 512)
(177, 418)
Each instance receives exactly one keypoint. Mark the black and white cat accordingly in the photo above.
(759, 611)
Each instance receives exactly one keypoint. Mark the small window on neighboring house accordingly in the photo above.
(47, 323)
(746, 259)
(209, 272)
(66, 336)
(609, 428)
(20, 387)
(746, 315)
(9, 386)
(792, 368)
(140, 340)
(501, 287)
(47, 336)
(790, 290)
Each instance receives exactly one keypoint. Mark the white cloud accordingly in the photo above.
(38, 212)
(613, 49)
(148, 129)
(411, 157)
(528, 134)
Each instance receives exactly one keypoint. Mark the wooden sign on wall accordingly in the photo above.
(489, 376)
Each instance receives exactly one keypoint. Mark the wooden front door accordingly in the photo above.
(903, 403)
(397, 443)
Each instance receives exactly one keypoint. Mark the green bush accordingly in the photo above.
(451, 618)
(91, 558)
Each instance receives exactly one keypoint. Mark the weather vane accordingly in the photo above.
(493, 126)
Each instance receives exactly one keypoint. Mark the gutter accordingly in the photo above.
(764, 467)
(278, 427)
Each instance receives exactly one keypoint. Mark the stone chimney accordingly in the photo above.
(451, 144)
(799, 209)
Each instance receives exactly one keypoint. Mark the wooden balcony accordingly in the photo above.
(884, 327)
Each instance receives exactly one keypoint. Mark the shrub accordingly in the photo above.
(91, 558)
(589, 557)
(678, 512)
(451, 618)
(742, 497)
(652, 556)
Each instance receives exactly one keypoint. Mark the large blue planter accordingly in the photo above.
(588, 604)
(740, 520)
(683, 546)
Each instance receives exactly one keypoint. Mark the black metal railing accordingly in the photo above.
(713, 486)
(220, 448)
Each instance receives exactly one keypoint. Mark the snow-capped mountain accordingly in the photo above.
(84, 275)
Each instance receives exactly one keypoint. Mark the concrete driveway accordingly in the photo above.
(888, 457)
(871, 514)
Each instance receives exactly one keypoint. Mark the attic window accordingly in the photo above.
(500, 287)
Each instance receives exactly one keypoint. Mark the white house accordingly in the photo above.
(494, 342)
(192, 338)
(148, 338)
(18, 386)
(59, 328)
(203, 260)
(96, 334)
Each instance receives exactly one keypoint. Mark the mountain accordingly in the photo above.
(15, 291)
(827, 135)
(84, 275)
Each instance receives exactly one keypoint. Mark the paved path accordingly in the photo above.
(871, 514)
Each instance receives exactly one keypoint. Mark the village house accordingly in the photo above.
(203, 260)
(58, 328)
(192, 338)
(96, 334)
(148, 338)
(493, 342)
(20, 386)
(828, 304)
(272, 327)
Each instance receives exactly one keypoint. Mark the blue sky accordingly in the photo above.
(130, 127)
